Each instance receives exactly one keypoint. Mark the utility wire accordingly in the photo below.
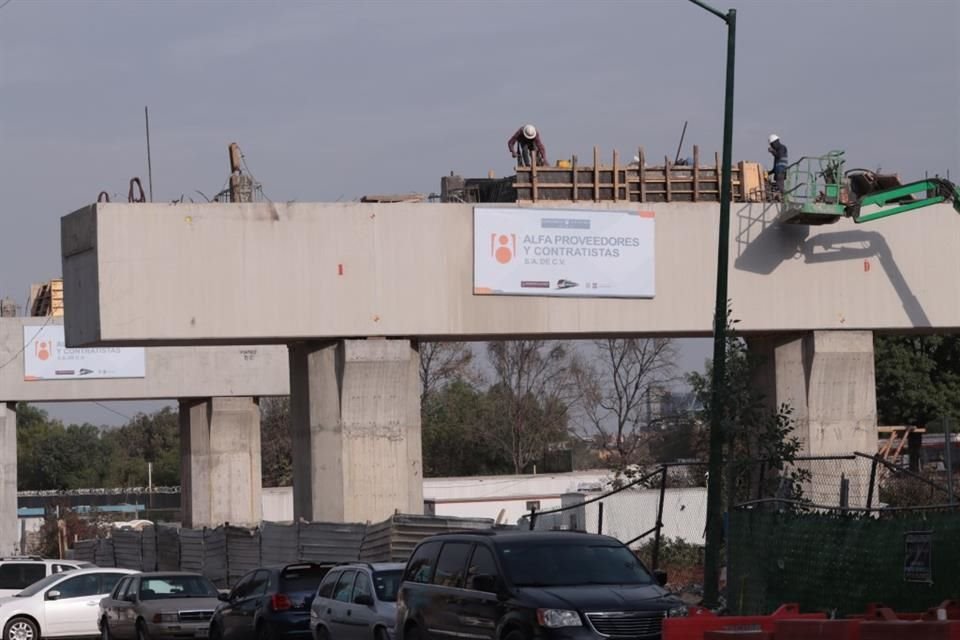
(122, 415)
(30, 342)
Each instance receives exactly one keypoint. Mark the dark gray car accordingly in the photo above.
(159, 606)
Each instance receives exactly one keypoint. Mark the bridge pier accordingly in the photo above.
(9, 525)
(355, 420)
(220, 461)
(829, 380)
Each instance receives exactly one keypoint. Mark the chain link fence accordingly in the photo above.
(838, 533)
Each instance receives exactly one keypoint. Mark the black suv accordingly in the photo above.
(493, 585)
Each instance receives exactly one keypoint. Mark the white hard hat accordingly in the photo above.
(773, 138)
(529, 131)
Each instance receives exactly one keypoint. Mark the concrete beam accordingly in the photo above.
(9, 533)
(406, 270)
(220, 475)
(355, 419)
(182, 372)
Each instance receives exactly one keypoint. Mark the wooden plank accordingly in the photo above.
(596, 174)
(696, 173)
(533, 175)
(666, 176)
(641, 174)
(616, 177)
(576, 188)
(903, 441)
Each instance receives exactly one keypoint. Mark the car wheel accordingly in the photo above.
(264, 632)
(322, 633)
(380, 634)
(105, 630)
(412, 633)
(215, 632)
(21, 629)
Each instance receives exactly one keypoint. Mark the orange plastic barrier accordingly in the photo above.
(909, 630)
(700, 621)
(817, 629)
(876, 611)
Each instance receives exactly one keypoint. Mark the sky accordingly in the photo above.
(334, 100)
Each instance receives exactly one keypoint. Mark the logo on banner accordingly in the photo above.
(42, 349)
(503, 247)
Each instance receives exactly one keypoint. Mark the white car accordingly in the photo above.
(19, 572)
(62, 604)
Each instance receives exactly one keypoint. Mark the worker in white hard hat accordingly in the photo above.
(523, 144)
(779, 171)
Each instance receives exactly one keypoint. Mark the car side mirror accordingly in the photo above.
(223, 597)
(661, 577)
(364, 599)
(53, 594)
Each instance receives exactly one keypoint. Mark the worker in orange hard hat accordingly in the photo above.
(527, 140)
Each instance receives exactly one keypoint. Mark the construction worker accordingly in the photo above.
(779, 171)
(527, 140)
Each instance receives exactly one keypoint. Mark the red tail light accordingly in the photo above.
(280, 602)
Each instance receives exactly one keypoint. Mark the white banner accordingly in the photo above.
(46, 357)
(563, 252)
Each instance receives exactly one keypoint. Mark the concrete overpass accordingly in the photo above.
(215, 386)
(326, 278)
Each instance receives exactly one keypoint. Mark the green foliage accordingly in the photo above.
(918, 379)
(276, 458)
(676, 553)
(52, 456)
(153, 438)
(753, 432)
(454, 442)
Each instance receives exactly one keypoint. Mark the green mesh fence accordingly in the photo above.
(840, 563)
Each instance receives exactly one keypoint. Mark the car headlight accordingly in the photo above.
(166, 617)
(678, 612)
(554, 618)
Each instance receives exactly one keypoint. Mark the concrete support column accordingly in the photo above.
(220, 461)
(829, 380)
(355, 421)
(9, 525)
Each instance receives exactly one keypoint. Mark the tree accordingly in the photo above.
(454, 441)
(752, 431)
(148, 439)
(534, 389)
(51, 456)
(442, 363)
(617, 395)
(276, 458)
(918, 379)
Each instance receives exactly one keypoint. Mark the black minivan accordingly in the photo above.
(516, 585)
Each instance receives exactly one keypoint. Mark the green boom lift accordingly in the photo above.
(818, 191)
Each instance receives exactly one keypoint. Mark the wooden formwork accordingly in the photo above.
(637, 182)
(47, 299)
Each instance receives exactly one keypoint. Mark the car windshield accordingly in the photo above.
(41, 584)
(386, 583)
(554, 564)
(157, 588)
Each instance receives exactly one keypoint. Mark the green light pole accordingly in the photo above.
(711, 574)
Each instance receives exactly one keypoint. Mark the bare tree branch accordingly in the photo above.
(625, 376)
(443, 362)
